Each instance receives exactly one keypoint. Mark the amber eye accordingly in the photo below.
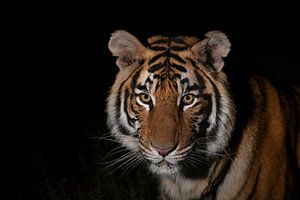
(188, 99)
(144, 98)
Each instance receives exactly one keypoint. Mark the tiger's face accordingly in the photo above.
(170, 104)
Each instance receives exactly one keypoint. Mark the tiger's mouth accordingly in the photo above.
(166, 164)
(163, 162)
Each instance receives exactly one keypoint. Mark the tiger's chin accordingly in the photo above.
(164, 168)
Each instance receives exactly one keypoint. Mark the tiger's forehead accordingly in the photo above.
(168, 57)
(167, 63)
(168, 67)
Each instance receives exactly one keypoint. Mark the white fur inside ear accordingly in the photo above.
(126, 47)
(213, 49)
(219, 40)
(219, 47)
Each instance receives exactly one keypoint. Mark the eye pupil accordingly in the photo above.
(188, 99)
(145, 98)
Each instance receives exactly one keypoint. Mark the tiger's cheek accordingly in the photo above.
(144, 128)
(186, 135)
(193, 116)
(139, 112)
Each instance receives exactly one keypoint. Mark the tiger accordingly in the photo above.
(203, 132)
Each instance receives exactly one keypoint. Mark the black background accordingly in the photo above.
(58, 69)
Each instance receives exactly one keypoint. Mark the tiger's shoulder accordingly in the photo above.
(268, 116)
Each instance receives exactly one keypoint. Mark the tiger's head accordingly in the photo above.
(170, 103)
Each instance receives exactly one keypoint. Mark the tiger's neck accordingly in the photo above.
(181, 187)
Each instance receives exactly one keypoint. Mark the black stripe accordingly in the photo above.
(203, 126)
(178, 58)
(123, 129)
(211, 190)
(134, 79)
(254, 189)
(158, 84)
(176, 76)
(141, 62)
(288, 102)
(179, 67)
(162, 41)
(207, 97)
(193, 63)
(130, 120)
(150, 105)
(118, 102)
(214, 130)
(192, 87)
(183, 81)
(148, 80)
(207, 65)
(156, 67)
(200, 80)
(177, 40)
(157, 48)
(200, 111)
(141, 87)
(155, 58)
(156, 76)
(207, 109)
(178, 48)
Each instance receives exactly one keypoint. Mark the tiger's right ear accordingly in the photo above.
(126, 47)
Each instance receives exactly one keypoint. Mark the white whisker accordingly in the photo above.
(114, 151)
(130, 167)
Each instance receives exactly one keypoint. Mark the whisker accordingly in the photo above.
(114, 151)
(115, 160)
(108, 139)
(200, 160)
(130, 159)
(189, 161)
(209, 152)
(197, 162)
(106, 134)
(126, 170)
(228, 155)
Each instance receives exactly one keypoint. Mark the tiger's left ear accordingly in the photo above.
(126, 47)
(212, 49)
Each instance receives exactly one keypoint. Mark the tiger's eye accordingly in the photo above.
(145, 98)
(188, 99)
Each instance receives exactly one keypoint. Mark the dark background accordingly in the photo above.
(58, 71)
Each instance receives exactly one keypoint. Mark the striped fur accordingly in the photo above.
(206, 135)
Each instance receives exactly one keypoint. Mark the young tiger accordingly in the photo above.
(205, 135)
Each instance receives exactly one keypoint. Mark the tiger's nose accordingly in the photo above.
(164, 150)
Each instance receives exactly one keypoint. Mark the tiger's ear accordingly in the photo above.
(126, 47)
(212, 49)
